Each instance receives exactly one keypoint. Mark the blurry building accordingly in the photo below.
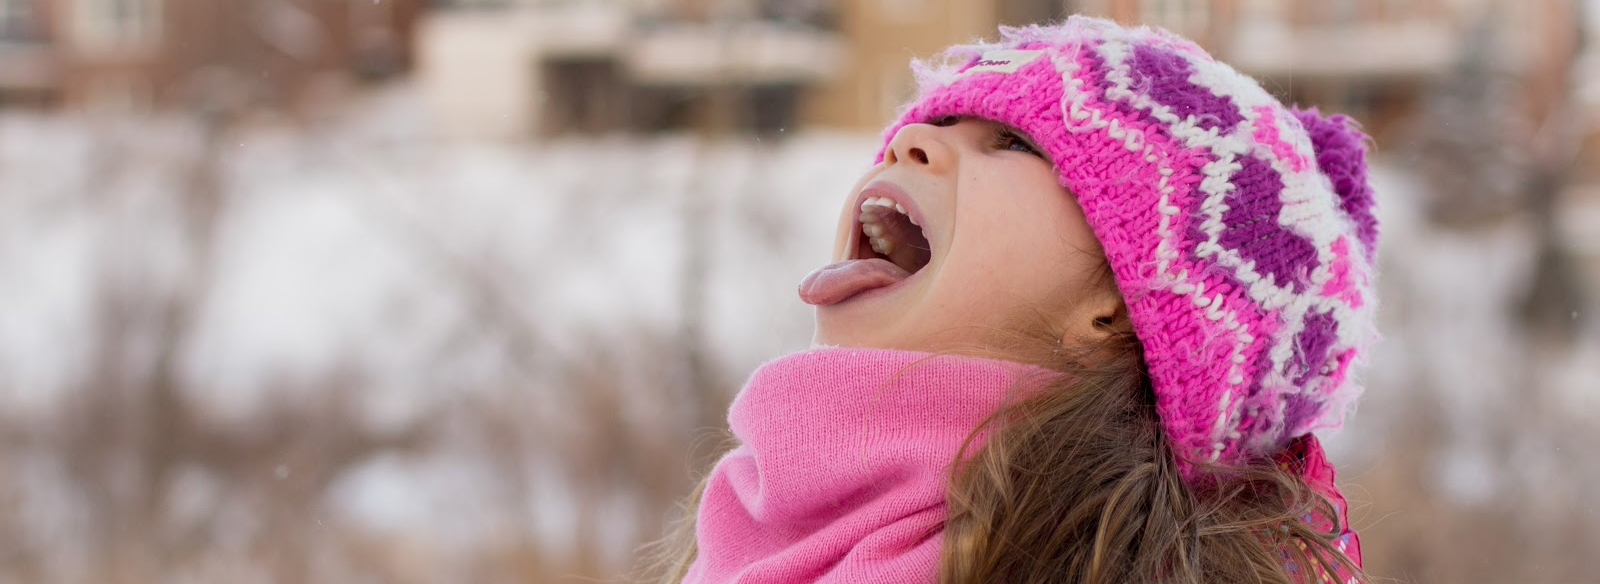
(510, 68)
(1370, 58)
(516, 68)
(546, 67)
(141, 55)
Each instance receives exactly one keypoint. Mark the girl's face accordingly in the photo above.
(994, 233)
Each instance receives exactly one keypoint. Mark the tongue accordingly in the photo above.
(837, 281)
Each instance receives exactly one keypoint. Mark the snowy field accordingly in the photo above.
(417, 280)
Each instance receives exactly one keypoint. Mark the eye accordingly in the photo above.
(1008, 139)
(943, 121)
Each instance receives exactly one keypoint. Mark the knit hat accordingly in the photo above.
(1240, 232)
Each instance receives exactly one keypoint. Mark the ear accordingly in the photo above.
(1096, 317)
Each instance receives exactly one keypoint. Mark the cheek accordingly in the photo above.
(1023, 247)
(973, 281)
(841, 238)
(847, 218)
(995, 261)
(1048, 215)
(1027, 229)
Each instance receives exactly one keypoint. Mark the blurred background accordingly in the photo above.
(458, 291)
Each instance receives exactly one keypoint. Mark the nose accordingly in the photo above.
(920, 144)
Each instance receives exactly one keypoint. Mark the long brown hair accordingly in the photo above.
(1076, 482)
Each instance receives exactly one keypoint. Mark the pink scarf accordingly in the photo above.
(841, 471)
(843, 463)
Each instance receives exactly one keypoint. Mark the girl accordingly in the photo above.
(1088, 307)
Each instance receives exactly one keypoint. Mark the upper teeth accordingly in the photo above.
(875, 206)
(873, 209)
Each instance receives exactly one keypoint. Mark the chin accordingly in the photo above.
(840, 331)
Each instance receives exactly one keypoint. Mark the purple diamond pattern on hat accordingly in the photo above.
(1098, 70)
(1299, 409)
(1311, 345)
(1253, 229)
(1165, 76)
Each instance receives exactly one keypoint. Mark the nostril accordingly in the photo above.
(918, 155)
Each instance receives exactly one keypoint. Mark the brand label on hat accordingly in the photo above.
(1006, 61)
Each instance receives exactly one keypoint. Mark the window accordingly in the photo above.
(1020, 12)
(817, 13)
(375, 39)
(584, 96)
(117, 24)
(17, 21)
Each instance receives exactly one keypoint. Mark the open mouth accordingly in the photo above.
(889, 248)
(889, 233)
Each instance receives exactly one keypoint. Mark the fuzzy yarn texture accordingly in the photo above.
(1240, 231)
(843, 464)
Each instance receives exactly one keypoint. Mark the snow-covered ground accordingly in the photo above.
(343, 245)
(364, 249)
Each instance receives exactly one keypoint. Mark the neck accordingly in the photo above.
(843, 462)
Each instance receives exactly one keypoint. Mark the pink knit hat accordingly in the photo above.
(1240, 231)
